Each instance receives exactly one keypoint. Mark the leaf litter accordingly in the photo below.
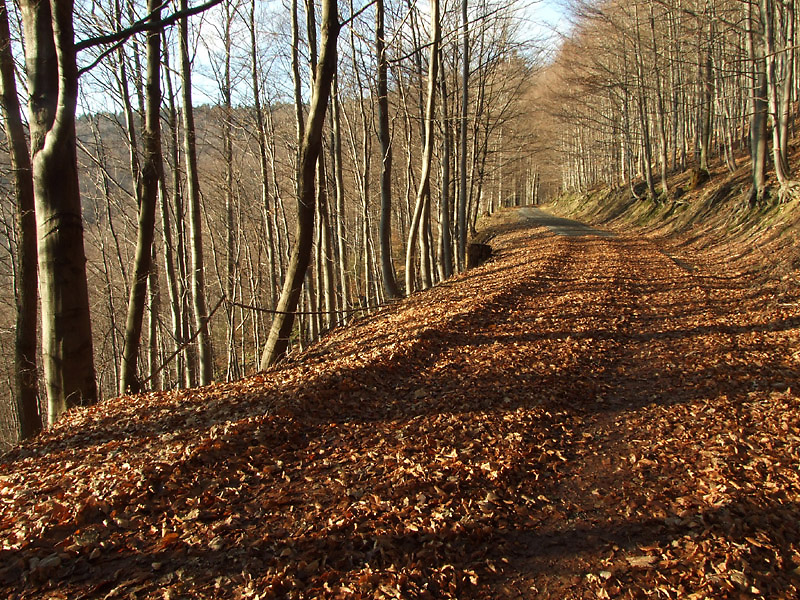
(578, 418)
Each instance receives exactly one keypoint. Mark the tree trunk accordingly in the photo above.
(53, 90)
(426, 245)
(366, 152)
(774, 90)
(172, 282)
(784, 109)
(262, 155)
(147, 194)
(387, 268)
(445, 241)
(231, 270)
(153, 312)
(758, 114)
(206, 364)
(326, 270)
(661, 118)
(179, 295)
(29, 421)
(336, 150)
(462, 129)
(708, 96)
(423, 191)
(283, 323)
(643, 117)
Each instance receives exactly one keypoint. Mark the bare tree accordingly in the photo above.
(423, 190)
(152, 173)
(205, 360)
(758, 113)
(29, 420)
(387, 268)
(461, 222)
(283, 323)
(53, 90)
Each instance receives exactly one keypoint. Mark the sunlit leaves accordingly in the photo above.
(578, 418)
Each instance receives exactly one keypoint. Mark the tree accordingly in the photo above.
(175, 248)
(152, 172)
(205, 360)
(424, 187)
(778, 22)
(268, 207)
(283, 323)
(387, 268)
(758, 113)
(52, 74)
(461, 222)
(26, 386)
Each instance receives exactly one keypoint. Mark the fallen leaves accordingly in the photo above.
(578, 417)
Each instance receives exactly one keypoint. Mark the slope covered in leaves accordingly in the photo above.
(583, 416)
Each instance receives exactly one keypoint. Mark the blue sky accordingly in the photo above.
(545, 21)
(547, 18)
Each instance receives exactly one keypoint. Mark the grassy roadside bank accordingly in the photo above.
(712, 218)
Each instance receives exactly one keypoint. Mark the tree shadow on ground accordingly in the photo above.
(292, 482)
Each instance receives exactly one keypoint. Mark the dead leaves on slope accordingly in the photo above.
(577, 419)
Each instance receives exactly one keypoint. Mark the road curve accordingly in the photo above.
(579, 417)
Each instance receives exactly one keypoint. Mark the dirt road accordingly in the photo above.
(681, 381)
(537, 217)
(585, 416)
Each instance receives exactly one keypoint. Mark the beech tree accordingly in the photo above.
(283, 323)
(387, 268)
(52, 74)
(29, 421)
(461, 222)
(152, 173)
(417, 229)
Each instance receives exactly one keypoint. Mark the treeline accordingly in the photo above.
(341, 158)
(644, 88)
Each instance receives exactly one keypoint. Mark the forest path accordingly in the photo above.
(663, 371)
(559, 225)
(579, 417)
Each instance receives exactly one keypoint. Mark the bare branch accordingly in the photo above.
(143, 24)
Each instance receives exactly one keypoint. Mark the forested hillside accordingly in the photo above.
(399, 300)
(189, 150)
(188, 158)
(589, 413)
(641, 90)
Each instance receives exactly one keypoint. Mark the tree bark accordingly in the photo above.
(758, 114)
(445, 241)
(205, 360)
(174, 284)
(336, 147)
(180, 296)
(153, 318)
(29, 421)
(231, 268)
(326, 267)
(262, 155)
(641, 103)
(283, 323)
(423, 191)
(53, 89)
(774, 89)
(660, 116)
(147, 193)
(462, 132)
(390, 287)
(706, 107)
